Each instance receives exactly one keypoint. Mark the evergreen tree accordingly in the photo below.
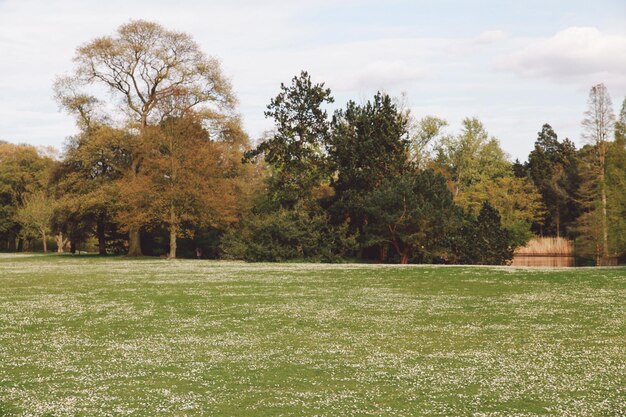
(295, 150)
(552, 167)
(413, 213)
(483, 240)
(369, 145)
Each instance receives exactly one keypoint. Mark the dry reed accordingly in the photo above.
(547, 246)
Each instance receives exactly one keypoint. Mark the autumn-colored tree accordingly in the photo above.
(189, 178)
(87, 179)
(154, 73)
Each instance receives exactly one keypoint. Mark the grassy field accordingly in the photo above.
(90, 337)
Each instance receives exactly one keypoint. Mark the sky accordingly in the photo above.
(513, 65)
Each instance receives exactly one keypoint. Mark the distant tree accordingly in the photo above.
(23, 171)
(479, 171)
(414, 213)
(616, 187)
(553, 168)
(87, 181)
(425, 135)
(519, 169)
(154, 73)
(598, 126)
(188, 179)
(369, 144)
(483, 240)
(35, 216)
(294, 151)
(471, 157)
(516, 198)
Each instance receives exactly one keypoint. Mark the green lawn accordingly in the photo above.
(90, 337)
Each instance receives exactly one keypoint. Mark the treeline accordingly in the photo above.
(165, 168)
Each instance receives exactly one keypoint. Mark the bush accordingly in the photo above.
(301, 233)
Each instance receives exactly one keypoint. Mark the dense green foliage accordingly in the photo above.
(552, 166)
(483, 240)
(368, 145)
(295, 150)
(414, 214)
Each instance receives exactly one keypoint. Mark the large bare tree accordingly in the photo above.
(153, 73)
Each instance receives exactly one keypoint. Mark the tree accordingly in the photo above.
(483, 240)
(414, 213)
(302, 233)
(598, 126)
(616, 187)
(87, 179)
(425, 135)
(471, 157)
(155, 73)
(87, 183)
(479, 171)
(36, 215)
(295, 150)
(516, 198)
(188, 178)
(369, 144)
(23, 171)
(553, 168)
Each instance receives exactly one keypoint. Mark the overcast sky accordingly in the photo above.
(513, 64)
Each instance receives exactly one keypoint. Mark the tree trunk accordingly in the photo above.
(134, 242)
(102, 243)
(382, 253)
(20, 244)
(12, 247)
(45, 244)
(60, 242)
(134, 233)
(605, 231)
(173, 232)
(558, 221)
(602, 146)
(404, 258)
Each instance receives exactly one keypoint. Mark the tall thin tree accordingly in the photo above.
(598, 126)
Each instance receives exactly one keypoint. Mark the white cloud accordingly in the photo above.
(582, 55)
(491, 36)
